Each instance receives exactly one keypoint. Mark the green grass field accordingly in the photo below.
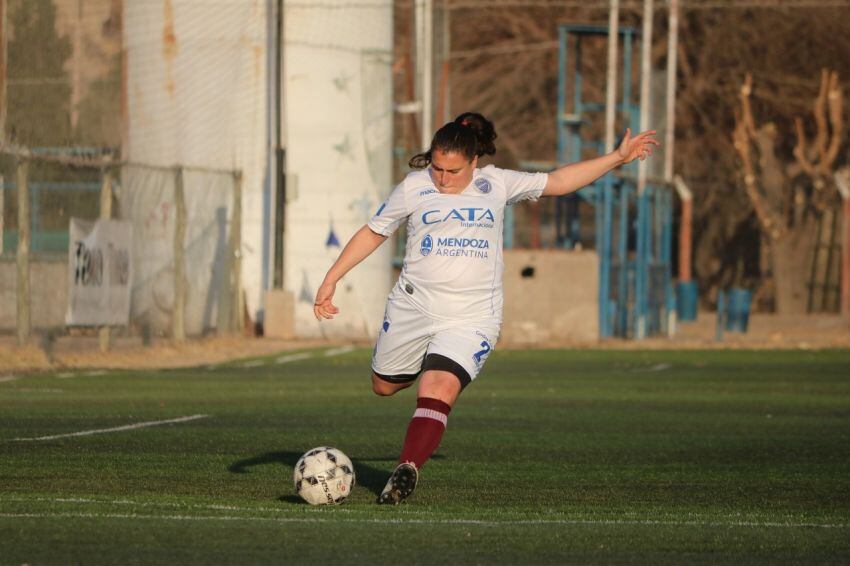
(550, 457)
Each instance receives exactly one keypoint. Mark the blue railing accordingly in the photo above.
(41, 238)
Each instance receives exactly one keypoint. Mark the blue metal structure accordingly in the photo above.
(52, 202)
(45, 239)
(633, 232)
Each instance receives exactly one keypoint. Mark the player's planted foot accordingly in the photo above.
(400, 485)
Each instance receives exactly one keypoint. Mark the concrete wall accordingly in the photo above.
(338, 127)
(556, 302)
(49, 288)
(196, 95)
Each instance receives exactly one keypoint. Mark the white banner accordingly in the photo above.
(99, 273)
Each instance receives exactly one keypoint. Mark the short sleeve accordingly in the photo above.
(390, 214)
(523, 186)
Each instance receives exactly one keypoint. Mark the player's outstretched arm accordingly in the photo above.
(358, 248)
(574, 176)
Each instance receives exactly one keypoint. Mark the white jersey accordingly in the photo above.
(453, 260)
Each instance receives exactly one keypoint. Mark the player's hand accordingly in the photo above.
(638, 147)
(322, 306)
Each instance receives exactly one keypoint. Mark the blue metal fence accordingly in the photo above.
(49, 224)
(633, 232)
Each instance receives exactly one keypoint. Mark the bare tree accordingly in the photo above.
(789, 195)
(504, 63)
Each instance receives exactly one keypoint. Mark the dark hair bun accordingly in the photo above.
(485, 133)
(471, 135)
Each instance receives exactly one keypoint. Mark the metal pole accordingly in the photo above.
(643, 220)
(280, 207)
(426, 68)
(441, 114)
(562, 95)
(845, 257)
(685, 228)
(842, 181)
(645, 76)
(623, 258)
(269, 186)
(178, 316)
(24, 321)
(2, 206)
(447, 52)
(604, 253)
(641, 264)
(606, 189)
(235, 250)
(77, 64)
(4, 42)
(672, 54)
(105, 214)
(611, 87)
(667, 259)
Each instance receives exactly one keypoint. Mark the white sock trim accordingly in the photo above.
(431, 414)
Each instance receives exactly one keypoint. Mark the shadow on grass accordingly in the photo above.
(368, 476)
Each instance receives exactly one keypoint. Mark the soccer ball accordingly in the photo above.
(324, 476)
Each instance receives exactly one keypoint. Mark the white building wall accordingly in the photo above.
(196, 92)
(338, 135)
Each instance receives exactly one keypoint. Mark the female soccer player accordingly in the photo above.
(443, 316)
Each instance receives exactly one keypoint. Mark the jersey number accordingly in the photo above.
(481, 353)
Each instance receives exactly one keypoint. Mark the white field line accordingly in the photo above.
(69, 375)
(472, 522)
(162, 504)
(133, 426)
(293, 358)
(656, 367)
(410, 515)
(340, 350)
(7, 378)
(288, 358)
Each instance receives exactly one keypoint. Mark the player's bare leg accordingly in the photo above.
(438, 390)
(385, 388)
(438, 384)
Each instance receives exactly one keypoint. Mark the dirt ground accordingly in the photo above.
(75, 352)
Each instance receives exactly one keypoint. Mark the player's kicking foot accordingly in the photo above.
(400, 485)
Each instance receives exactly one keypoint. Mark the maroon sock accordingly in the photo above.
(425, 430)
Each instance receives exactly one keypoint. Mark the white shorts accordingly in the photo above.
(407, 335)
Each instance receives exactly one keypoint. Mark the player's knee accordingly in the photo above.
(382, 391)
(385, 385)
(382, 388)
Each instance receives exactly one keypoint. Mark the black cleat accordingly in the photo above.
(400, 485)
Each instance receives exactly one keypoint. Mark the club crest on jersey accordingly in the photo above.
(427, 245)
(483, 185)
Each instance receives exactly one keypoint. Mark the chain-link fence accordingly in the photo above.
(186, 240)
(62, 88)
(186, 236)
